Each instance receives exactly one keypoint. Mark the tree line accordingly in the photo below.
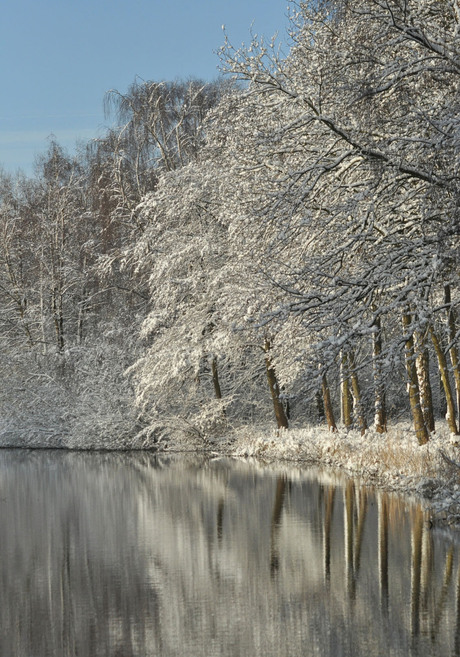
(286, 236)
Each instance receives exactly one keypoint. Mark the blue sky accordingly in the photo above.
(59, 57)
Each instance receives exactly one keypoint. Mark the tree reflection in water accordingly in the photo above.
(133, 555)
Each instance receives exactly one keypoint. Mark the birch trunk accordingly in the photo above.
(414, 392)
(443, 371)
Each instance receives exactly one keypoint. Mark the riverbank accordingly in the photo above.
(392, 461)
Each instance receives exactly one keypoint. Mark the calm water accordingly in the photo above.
(130, 555)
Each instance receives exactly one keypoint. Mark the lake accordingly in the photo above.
(136, 555)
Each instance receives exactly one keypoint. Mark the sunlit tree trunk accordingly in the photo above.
(412, 382)
(328, 410)
(380, 417)
(280, 414)
(346, 398)
(423, 374)
(443, 371)
(453, 351)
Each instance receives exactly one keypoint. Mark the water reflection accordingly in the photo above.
(132, 555)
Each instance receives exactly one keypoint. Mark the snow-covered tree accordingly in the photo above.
(361, 165)
(199, 371)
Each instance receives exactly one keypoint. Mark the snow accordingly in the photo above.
(393, 461)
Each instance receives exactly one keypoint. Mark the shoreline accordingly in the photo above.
(393, 462)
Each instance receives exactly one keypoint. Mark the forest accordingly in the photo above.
(276, 247)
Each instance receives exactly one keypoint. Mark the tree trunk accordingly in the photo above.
(216, 382)
(58, 318)
(215, 379)
(442, 362)
(423, 373)
(320, 406)
(82, 310)
(357, 401)
(280, 415)
(414, 393)
(453, 351)
(346, 398)
(328, 410)
(42, 309)
(380, 418)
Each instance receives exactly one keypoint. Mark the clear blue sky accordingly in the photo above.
(59, 57)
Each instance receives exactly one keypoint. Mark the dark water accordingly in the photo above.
(129, 555)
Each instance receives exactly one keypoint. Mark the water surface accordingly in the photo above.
(129, 555)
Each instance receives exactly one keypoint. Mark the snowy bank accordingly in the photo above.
(392, 461)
